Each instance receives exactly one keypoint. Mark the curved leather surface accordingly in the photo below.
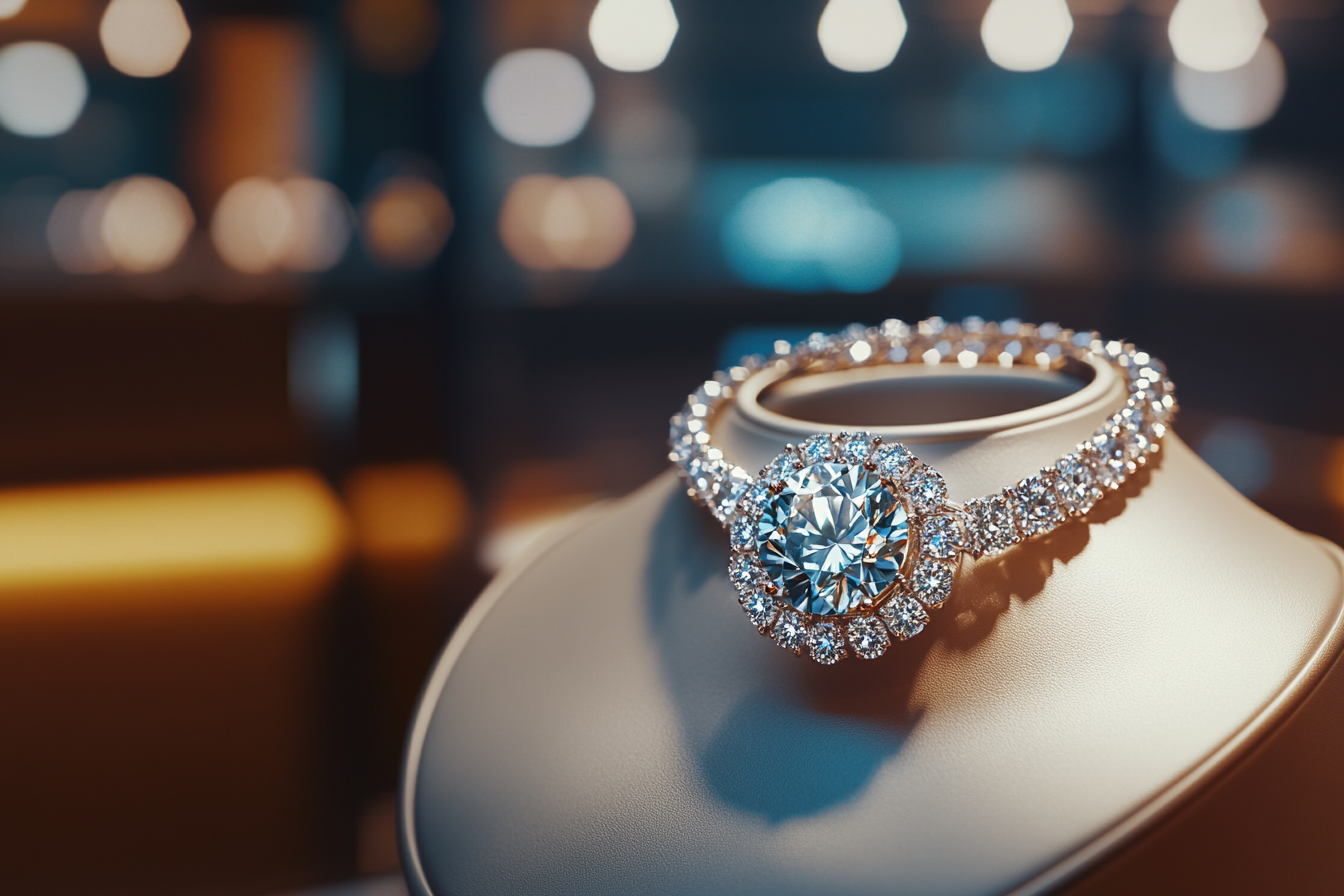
(606, 721)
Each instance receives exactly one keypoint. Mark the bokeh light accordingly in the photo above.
(1236, 99)
(861, 35)
(10, 8)
(252, 224)
(549, 223)
(810, 233)
(322, 224)
(74, 233)
(632, 35)
(405, 223)
(1189, 149)
(42, 89)
(145, 224)
(1243, 228)
(392, 36)
(144, 38)
(538, 97)
(1216, 35)
(1026, 35)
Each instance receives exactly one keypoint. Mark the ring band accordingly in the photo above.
(845, 542)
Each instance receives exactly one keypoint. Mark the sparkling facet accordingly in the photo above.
(868, 637)
(760, 609)
(834, 536)
(744, 573)
(1038, 508)
(826, 642)
(892, 460)
(781, 466)
(1112, 464)
(1076, 484)
(816, 449)
(728, 490)
(993, 528)
(855, 447)
(789, 631)
(904, 616)
(931, 582)
(941, 537)
(755, 498)
(925, 488)
(743, 534)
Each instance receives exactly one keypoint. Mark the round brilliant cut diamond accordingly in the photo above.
(905, 616)
(868, 638)
(780, 467)
(942, 537)
(1076, 484)
(760, 609)
(932, 582)
(744, 573)
(790, 632)
(856, 447)
(1038, 505)
(834, 536)
(817, 449)
(892, 460)
(993, 524)
(743, 534)
(925, 487)
(826, 641)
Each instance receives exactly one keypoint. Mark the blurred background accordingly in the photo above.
(312, 315)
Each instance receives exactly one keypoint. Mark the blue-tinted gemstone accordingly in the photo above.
(832, 537)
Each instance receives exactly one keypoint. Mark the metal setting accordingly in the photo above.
(842, 544)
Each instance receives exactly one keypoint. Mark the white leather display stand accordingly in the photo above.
(1142, 702)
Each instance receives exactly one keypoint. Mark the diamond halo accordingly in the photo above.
(842, 544)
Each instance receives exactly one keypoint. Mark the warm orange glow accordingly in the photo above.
(1334, 474)
(74, 233)
(406, 222)
(280, 530)
(407, 511)
(144, 38)
(392, 36)
(323, 222)
(145, 224)
(252, 225)
(549, 223)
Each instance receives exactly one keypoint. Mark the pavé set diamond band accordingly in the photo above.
(845, 542)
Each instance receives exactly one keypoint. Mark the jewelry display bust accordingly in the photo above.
(1143, 700)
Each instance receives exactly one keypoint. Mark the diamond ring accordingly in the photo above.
(845, 542)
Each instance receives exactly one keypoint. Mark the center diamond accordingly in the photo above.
(832, 537)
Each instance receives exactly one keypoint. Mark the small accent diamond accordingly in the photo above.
(728, 491)
(754, 500)
(780, 467)
(931, 582)
(892, 460)
(817, 449)
(826, 641)
(1076, 484)
(760, 609)
(992, 522)
(868, 638)
(790, 632)
(1112, 465)
(743, 534)
(942, 537)
(744, 573)
(925, 487)
(1037, 504)
(905, 616)
(855, 447)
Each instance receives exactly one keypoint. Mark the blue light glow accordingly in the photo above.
(810, 233)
